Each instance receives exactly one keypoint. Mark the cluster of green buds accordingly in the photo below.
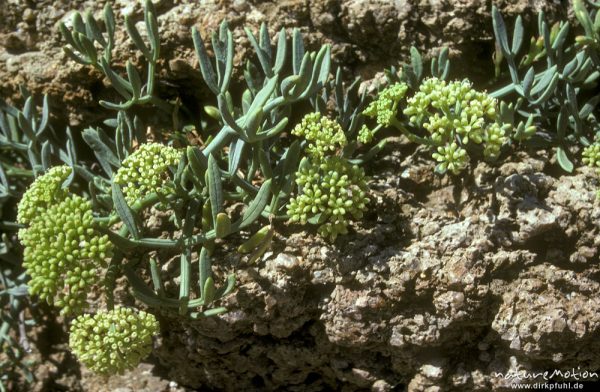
(591, 156)
(145, 171)
(365, 135)
(451, 158)
(384, 108)
(111, 342)
(330, 192)
(45, 191)
(322, 134)
(63, 249)
(453, 113)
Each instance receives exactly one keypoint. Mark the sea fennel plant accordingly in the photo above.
(456, 118)
(270, 99)
(28, 146)
(251, 155)
(553, 84)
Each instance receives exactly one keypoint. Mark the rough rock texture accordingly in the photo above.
(437, 290)
(366, 36)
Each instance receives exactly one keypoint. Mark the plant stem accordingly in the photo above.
(411, 136)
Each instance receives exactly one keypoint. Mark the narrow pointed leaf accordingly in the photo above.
(297, 50)
(204, 265)
(517, 39)
(256, 207)
(281, 52)
(416, 62)
(215, 188)
(236, 152)
(136, 37)
(208, 293)
(124, 211)
(228, 288)
(500, 31)
(206, 68)
(197, 162)
(185, 278)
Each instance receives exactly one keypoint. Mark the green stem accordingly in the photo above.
(411, 136)
(12, 171)
(6, 225)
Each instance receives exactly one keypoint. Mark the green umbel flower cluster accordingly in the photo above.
(111, 342)
(63, 252)
(451, 158)
(591, 156)
(145, 171)
(455, 112)
(385, 106)
(330, 192)
(45, 191)
(323, 134)
(365, 135)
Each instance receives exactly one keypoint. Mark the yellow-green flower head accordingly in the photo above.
(63, 253)
(493, 140)
(451, 158)
(385, 106)
(591, 156)
(452, 109)
(43, 192)
(111, 342)
(146, 170)
(330, 192)
(365, 135)
(323, 134)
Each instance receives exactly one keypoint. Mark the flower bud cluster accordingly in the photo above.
(323, 134)
(591, 156)
(63, 252)
(451, 158)
(111, 342)
(144, 171)
(493, 140)
(365, 135)
(454, 112)
(385, 106)
(330, 192)
(45, 191)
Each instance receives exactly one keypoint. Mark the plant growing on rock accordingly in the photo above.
(245, 160)
(111, 342)
(28, 146)
(554, 84)
(85, 38)
(330, 188)
(257, 152)
(63, 250)
(454, 115)
(74, 230)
